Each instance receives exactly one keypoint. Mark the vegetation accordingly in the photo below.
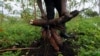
(89, 35)
(19, 33)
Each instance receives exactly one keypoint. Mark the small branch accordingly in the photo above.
(14, 49)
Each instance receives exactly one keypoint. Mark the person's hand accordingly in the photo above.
(44, 16)
(67, 14)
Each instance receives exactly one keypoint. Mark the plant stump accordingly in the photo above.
(51, 41)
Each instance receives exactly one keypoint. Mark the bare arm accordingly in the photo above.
(64, 10)
(39, 2)
(63, 3)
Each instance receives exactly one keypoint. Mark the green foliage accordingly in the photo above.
(90, 13)
(18, 33)
(89, 35)
(10, 53)
(1, 18)
(27, 14)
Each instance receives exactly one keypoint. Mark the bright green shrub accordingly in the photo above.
(89, 39)
(18, 33)
(22, 34)
(10, 53)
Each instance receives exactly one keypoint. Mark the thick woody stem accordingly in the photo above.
(54, 22)
(39, 22)
(42, 22)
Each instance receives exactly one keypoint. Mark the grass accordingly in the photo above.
(20, 33)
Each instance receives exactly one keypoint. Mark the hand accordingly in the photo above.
(67, 14)
(44, 16)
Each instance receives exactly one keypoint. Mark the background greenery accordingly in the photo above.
(16, 31)
(21, 34)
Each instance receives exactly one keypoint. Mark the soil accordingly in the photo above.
(45, 49)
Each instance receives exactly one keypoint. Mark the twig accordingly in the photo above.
(14, 49)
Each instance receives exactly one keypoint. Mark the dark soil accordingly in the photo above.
(45, 49)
